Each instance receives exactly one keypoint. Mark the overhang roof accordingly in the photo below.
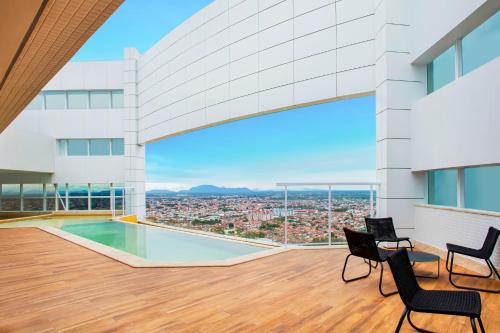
(38, 37)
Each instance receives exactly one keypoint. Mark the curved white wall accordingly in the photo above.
(237, 58)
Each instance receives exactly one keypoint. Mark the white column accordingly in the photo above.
(134, 150)
(398, 85)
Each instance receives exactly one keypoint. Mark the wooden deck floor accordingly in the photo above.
(50, 285)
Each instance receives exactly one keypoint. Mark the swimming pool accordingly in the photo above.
(140, 245)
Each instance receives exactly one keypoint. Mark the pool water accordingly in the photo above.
(151, 243)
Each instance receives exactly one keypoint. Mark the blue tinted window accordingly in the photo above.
(99, 147)
(481, 45)
(117, 147)
(442, 187)
(482, 188)
(441, 70)
(77, 147)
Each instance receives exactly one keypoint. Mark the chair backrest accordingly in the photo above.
(490, 241)
(403, 274)
(382, 228)
(362, 244)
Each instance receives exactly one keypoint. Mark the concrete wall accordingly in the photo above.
(237, 59)
(29, 143)
(459, 125)
(436, 227)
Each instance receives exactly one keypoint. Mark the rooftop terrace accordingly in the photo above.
(51, 285)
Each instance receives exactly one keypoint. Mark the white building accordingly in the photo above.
(433, 66)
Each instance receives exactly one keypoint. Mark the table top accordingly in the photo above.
(419, 256)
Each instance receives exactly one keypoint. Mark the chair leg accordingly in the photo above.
(356, 278)
(411, 245)
(488, 262)
(481, 324)
(418, 329)
(400, 322)
(380, 282)
(473, 324)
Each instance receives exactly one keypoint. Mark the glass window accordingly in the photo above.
(55, 100)
(101, 203)
(441, 70)
(78, 204)
(11, 190)
(99, 147)
(11, 197)
(482, 188)
(442, 187)
(33, 190)
(36, 103)
(117, 99)
(78, 100)
(78, 190)
(62, 147)
(117, 147)
(33, 204)
(100, 100)
(78, 147)
(481, 45)
(100, 190)
(50, 190)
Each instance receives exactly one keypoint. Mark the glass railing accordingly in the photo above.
(317, 217)
(298, 216)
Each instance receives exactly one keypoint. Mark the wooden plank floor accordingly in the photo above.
(50, 285)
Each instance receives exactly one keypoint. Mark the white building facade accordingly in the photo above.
(432, 65)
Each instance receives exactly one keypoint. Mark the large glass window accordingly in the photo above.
(55, 100)
(78, 99)
(100, 100)
(100, 197)
(11, 197)
(50, 192)
(78, 147)
(441, 70)
(78, 196)
(482, 188)
(117, 147)
(99, 147)
(36, 103)
(442, 187)
(117, 99)
(481, 45)
(33, 197)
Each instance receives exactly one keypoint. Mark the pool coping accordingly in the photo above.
(138, 262)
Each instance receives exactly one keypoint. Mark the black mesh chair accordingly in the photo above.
(362, 245)
(383, 230)
(484, 253)
(456, 303)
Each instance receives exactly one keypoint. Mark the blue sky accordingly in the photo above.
(327, 142)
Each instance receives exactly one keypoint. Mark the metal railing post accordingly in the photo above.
(371, 200)
(286, 216)
(330, 215)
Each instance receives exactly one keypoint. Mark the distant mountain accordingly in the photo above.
(211, 189)
(160, 193)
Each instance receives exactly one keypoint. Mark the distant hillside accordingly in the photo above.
(211, 189)
(160, 193)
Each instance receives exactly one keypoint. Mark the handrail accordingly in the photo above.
(286, 185)
(326, 183)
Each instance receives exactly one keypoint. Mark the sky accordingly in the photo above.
(327, 142)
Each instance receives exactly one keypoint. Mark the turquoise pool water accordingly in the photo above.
(152, 243)
(54, 222)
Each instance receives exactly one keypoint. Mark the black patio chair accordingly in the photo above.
(362, 245)
(383, 230)
(416, 299)
(484, 253)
